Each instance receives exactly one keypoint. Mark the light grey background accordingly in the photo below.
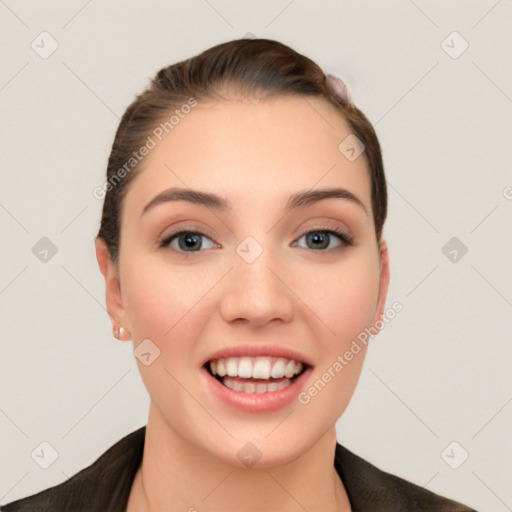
(438, 373)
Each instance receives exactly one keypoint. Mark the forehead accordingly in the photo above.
(252, 151)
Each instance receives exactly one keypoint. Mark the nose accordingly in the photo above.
(257, 293)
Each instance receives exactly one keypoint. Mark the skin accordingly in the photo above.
(313, 300)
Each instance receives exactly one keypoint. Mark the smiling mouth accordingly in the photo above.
(255, 374)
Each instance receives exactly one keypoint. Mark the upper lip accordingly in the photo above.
(259, 351)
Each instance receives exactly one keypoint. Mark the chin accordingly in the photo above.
(259, 456)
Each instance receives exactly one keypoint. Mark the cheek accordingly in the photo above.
(345, 298)
(156, 298)
(164, 305)
(345, 303)
(354, 304)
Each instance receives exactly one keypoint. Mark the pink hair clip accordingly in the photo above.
(339, 87)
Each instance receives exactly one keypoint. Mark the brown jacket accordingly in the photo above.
(105, 485)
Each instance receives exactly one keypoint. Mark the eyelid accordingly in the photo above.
(323, 225)
(189, 229)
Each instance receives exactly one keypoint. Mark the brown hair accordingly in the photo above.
(249, 67)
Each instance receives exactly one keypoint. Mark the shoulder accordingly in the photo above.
(104, 485)
(370, 489)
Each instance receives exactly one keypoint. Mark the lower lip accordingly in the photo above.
(255, 402)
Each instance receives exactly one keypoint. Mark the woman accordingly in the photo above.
(242, 250)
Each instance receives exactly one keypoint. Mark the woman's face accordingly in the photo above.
(260, 283)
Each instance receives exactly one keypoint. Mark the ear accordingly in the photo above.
(113, 299)
(383, 286)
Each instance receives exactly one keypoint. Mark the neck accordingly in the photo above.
(177, 475)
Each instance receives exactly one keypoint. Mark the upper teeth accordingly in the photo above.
(256, 367)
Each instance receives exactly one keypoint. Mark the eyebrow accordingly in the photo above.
(221, 204)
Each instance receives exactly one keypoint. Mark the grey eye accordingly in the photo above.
(189, 241)
(320, 239)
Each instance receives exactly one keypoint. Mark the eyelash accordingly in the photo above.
(346, 239)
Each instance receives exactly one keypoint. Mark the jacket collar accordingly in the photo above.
(106, 484)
